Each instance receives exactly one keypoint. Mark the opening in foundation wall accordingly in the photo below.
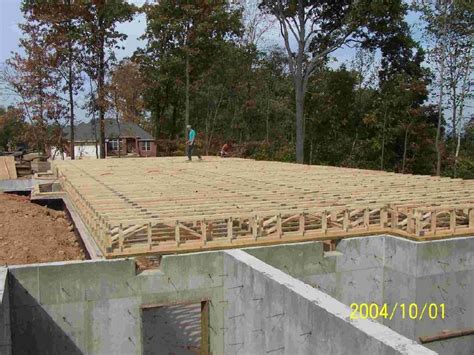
(180, 329)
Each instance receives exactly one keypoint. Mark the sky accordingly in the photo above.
(10, 17)
(10, 34)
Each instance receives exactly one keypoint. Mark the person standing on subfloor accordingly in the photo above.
(191, 143)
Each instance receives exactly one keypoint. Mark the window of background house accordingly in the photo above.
(114, 144)
(145, 145)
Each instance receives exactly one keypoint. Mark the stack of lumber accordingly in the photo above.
(38, 166)
(7, 168)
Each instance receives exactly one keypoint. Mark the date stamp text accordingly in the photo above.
(411, 311)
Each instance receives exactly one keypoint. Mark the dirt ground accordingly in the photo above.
(30, 233)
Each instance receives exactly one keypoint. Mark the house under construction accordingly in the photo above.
(249, 257)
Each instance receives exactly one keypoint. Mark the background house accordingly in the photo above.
(123, 139)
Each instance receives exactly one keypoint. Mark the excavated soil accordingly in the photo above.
(30, 233)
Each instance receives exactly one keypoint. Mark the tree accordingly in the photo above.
(189, 34)
(100, 39)
(459, 60)
(403, 85)
(329, 111)
(35, 80)
(62, 19)
(441, 19)
(256, 23)
(319, 28)
(126, 89)
(12, 127)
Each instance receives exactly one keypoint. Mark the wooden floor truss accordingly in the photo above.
(167, 205)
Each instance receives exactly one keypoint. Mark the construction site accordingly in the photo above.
(235, 256)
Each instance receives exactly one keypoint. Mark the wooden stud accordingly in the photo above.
(433, 222)
(418, 216)
(108, 241)
(394, 215)
(366, 218)
(260, 231)
(324, 221)
(410, 222)
(452, 220)
(345, 223)
(254, 227)
(301, 223)
(230, 229)
(383, 217)
(204, 231)
(279, 227)
(177, 233)
(148, 234)
(120, 234)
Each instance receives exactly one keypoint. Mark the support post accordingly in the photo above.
(302, 221)
(410, 224)
(383, 217)
(433, 222)
(120, 233)
(471, 218)
(452, 220)
(148, 233)
(418, 217)
(254, 227)
(366, 218)
(230, 229)
(394, 218)
(279, 226)
(345, 221)
(108, 238)
(324, 221)
(204, 231)
(177, 234)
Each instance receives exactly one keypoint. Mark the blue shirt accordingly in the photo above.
(192, 135)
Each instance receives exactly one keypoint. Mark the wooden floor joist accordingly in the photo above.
(166, 205)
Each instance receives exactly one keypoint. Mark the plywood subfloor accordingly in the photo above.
(153, 201)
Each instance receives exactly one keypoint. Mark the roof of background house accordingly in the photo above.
(85, 131)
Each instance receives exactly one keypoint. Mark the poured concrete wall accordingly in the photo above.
(94, 307)
(392, 270)
(354, 273)
(269, 311)
(433, 272)
(5, 335)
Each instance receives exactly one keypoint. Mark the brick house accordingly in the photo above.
(124, 139)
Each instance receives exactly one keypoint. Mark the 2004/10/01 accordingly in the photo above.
(405, 310)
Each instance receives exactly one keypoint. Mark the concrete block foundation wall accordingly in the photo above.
(391, 270)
